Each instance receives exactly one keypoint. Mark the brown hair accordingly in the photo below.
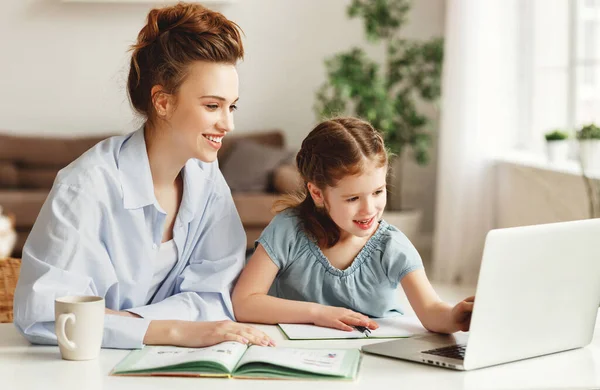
(332, 150)
(173, 38)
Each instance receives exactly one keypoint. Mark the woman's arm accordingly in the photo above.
(435, 314)
(194, 334)
(64, 256)
(252, 304)
(197, 334)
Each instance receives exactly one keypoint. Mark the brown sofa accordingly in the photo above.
(28, 166)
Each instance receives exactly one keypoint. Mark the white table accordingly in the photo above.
(23, 366)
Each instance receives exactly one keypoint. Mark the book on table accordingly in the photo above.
(390, 327)
(232, 359)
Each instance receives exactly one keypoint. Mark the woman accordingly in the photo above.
(146, 220)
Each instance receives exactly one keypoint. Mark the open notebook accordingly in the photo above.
(391, 327)
(232, 359)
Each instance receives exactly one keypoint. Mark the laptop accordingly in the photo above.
(538, 293)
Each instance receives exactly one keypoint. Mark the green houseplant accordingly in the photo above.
(588, 137)
(557, 145)
(388, 95)
(590, 131)
(556, 135)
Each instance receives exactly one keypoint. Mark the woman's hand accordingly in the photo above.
(460, 316)
(340, 318)
(204, 334)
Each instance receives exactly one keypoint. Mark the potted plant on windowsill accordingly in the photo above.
(589, 147)
(388, 96)
(557, 145)
(588, 138)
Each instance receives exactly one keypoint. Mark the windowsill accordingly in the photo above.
(530, 160)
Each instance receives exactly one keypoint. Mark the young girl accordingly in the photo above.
(328, 258)
(146, 220)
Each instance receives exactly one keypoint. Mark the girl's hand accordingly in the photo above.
(340, 318)
(460, 316)
(204, 334)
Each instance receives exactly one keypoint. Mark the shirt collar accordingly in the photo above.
(136, 179)
(194, 182)
(134, 171)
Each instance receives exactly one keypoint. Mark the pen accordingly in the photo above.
(363, 329)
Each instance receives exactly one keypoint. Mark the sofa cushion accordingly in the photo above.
(250, 165)
(9, 175)
(255, 208)
(287, 179)
(37, 177)
(270, 137)
(42, 151)
(12, 176)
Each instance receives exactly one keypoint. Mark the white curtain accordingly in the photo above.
(480, 116)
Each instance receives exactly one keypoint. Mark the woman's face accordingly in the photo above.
(202, 113)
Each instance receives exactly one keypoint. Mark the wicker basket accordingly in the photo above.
(9, 273)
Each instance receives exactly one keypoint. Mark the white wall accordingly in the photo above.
(63, 67)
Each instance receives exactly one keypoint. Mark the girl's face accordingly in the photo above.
(357, 202)
(202, 113)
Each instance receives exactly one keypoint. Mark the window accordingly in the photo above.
(587, 62)
(559, 66)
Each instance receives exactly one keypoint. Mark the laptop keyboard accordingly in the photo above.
(456, 351)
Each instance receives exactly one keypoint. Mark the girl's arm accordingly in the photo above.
(434, 314)
(252, 304)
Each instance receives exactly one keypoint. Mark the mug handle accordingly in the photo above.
(60, 331)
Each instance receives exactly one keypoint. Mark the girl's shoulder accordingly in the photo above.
(283, 239)
(391, 239)
(285, 230)
(395, 253)
(287, 220)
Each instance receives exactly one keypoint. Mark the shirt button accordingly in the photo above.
(154, 246)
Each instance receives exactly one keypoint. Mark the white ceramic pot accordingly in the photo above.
(589, 150)
(558, 151)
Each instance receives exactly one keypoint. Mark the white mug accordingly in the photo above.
(79, 326)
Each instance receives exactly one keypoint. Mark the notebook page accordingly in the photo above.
(401, 326)
(227, 354)
(314, 332)
(321, 361)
